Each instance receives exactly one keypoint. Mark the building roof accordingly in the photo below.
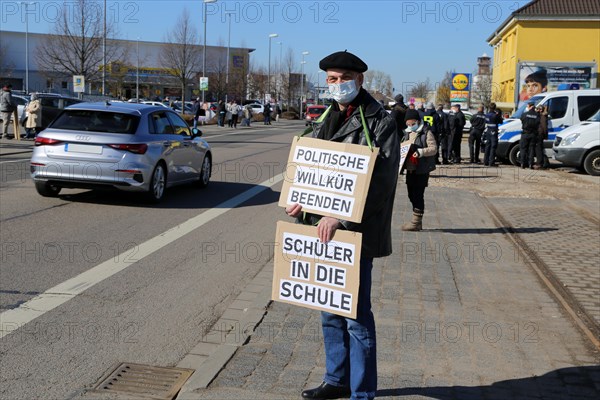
(559, 9)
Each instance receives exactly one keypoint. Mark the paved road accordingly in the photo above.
(167, 296)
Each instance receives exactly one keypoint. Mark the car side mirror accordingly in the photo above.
(196, 132)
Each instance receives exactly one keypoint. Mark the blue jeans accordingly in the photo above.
(350, 345)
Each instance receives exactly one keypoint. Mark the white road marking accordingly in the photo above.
(12, 320)
(11, 161)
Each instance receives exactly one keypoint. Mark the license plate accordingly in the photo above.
(82, 148)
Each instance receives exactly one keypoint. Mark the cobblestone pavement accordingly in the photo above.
(566, 238)
(459, 316)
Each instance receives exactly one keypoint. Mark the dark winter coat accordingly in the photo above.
(377, 216)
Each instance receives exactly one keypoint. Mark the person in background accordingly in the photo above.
(493, 119)
(398, 112)
(267, 113)
(34, 116)
(277, 112)
(8, 111)
(418, 166)
(196, 111)
(475, 136)
(222, 112)
(247, 116)
(235, 110)
(530, 122)
(457, 123)
(542, 135)
(444, 146)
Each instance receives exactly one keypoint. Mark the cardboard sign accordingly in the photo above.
(328, 178)
(406, 149)
(316, 275)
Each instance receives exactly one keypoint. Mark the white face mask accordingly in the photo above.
(343, 92)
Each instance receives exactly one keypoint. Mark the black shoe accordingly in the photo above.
(326, 391)
(445, 162)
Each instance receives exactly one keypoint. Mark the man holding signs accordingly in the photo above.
(355, 117)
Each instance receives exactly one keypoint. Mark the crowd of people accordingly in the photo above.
(32, 115)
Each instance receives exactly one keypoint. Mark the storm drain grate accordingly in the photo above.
(144, 381)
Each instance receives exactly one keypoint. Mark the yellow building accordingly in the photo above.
(561, 34)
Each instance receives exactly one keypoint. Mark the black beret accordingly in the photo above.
(412, 114)
(343, 60)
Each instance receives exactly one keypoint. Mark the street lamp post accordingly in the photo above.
(279, 82)
(26, 45)
(227, 14)
(137, 72)
(304, 53)
(271, 36)
(104, 54)
(204, 2)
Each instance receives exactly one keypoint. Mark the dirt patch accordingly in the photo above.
(510, 181)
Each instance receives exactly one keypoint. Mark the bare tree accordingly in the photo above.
(482, 90)
(181, 53)
(291, 79)
(257, 82)
(421, 89)
(75, 46)
(379, 81)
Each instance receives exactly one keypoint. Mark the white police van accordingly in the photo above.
(579, 146)
(565, 108)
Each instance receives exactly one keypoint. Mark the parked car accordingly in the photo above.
(313, 113)
(257, 108)
(579, 146)
(565, 108)
(126, 146)
(155, 103)
(52, 105)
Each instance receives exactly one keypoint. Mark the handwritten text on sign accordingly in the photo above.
(317, 275)
(328, 178)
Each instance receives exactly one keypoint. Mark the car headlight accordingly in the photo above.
(569, 140)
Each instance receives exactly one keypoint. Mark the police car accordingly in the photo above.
(565, 108)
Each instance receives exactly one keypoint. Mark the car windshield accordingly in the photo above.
(316, 111)
(96, 121)
(519, 112)
(595, 117)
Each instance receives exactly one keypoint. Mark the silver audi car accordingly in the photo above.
(127, 146)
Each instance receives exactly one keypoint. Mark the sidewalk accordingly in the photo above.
(460, 314)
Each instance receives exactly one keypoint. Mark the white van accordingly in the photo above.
(579, 146)
(565, 108)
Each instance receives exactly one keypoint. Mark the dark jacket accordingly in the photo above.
(543, 129)
(443, 124)
(398, 113)
(457, 122)
(478, 121)
(377, 216)
(530, 121)
(493, 119)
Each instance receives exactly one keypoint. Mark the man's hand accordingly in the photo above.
(327, 227)
(294, 210)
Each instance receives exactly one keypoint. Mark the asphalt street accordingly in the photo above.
(171, 287)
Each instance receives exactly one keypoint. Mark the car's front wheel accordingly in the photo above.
(47, 190)
(591, 164)
(205, 172)
(158, 183)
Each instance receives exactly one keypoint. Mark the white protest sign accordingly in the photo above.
(316, 275)
(328, 178)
